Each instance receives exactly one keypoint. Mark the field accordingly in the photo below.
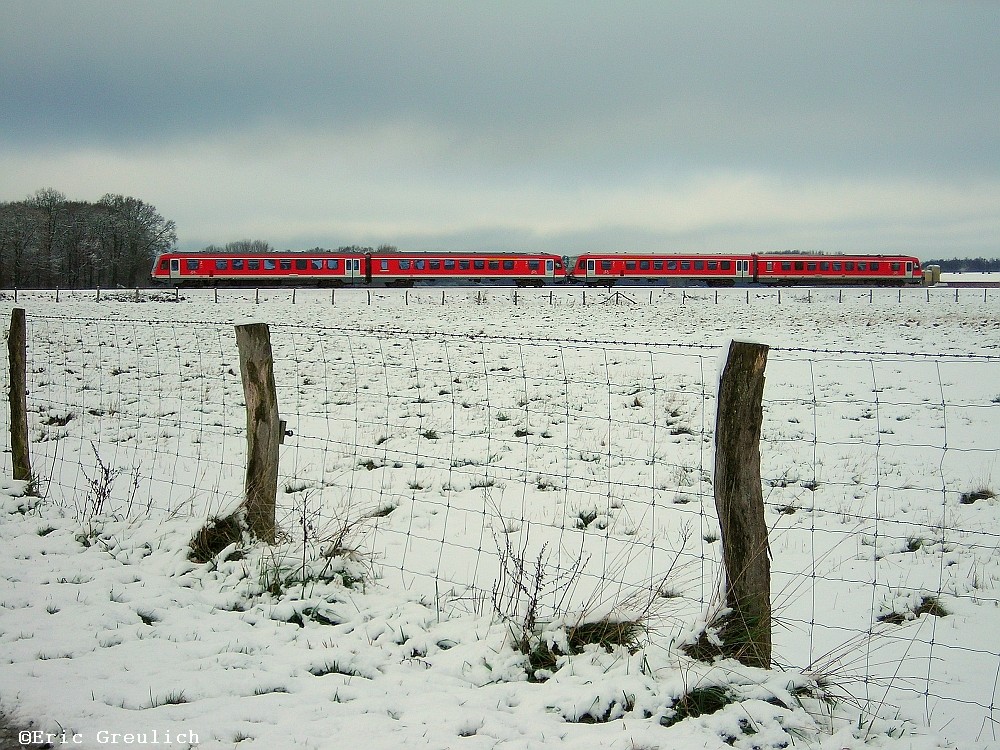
(469, 471)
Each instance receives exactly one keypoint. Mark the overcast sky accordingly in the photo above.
(563, 126)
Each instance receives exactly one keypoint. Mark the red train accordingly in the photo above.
(774, 269)
(337, 268)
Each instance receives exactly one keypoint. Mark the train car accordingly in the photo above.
(715, 270)
(727, 270)
(192, 268)
(523, 269)
(341, 268)
(869, 270)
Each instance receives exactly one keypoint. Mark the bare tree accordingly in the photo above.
(49, 204)
(18, 244)
(133, 235)
(248, 246)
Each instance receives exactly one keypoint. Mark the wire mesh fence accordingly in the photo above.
(590, 461)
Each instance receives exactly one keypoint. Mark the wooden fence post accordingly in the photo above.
(746, 631)
(17, 349)
(263, 428)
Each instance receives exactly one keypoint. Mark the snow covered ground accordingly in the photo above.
(457, 430)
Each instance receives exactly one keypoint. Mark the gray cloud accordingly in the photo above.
(517, 120)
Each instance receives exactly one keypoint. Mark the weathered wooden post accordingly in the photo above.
(263, 428)
(746, 631)
(17, 349)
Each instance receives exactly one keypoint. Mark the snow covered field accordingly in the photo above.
(456, 429)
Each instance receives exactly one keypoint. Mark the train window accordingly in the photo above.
(894, 266)
(725, 265)
(494, 265)
(685, 265)
(630, 265)
(849, 265)
(508, 265)
(316, 264)
(404, 265)
(605, 265)
(786, 265)
(657, 265)
(534, 265)
(383, 264)
(419, 264)
(699, 265)
(479, 265)
(811, 266)
(270, 264)
(449, 265)
(671, 265)
(286, 264)
(221, 265)
(836, 265)
(713, 265)
(434, 265)
(862, 266)
(238, 264)
(824, 265)
(769, 266)
(163, 264)
(874, 266)
(192, 264)
(333, 264)
(644, 265)
(464, 265)
(799, 265)
(301, 264)
(253, 265)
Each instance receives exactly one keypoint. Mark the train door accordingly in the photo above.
(352, 268)
(591, 267)
(742, 269)
(550, 268)
(175, 268)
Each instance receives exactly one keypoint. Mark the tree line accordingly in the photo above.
(966, 265)
(47, 241)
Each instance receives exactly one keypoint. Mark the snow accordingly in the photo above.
(513, 429)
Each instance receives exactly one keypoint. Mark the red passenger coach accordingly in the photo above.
(714, 270)
(258, 268)
(339, 268)
(524, 269)
(838, 269)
